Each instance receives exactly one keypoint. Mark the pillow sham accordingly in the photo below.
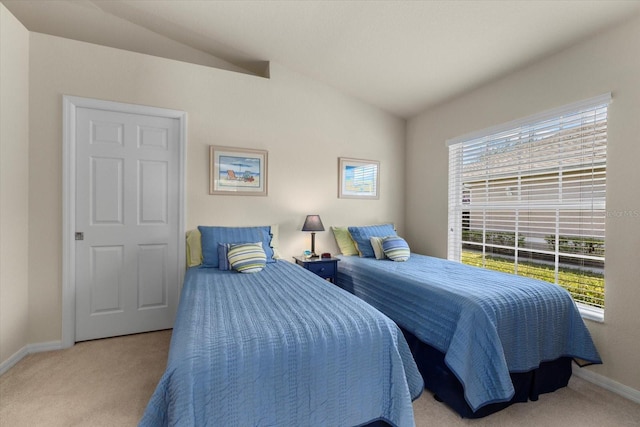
(344, 241)
(223, 256)
(194, 248)
(361, 236)
(213, 235)
(376, 243)
(247, 257)
(275, 241)
(396, 248)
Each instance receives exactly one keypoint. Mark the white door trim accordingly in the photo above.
(69, 106)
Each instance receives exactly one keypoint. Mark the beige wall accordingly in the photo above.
(305, 126)
(14, 181)
(606, 63)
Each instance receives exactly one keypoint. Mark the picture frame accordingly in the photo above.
(358, 178)
(237, 171)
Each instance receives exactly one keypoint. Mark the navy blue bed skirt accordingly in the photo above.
(446, 387)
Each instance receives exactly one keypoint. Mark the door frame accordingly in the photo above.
(69, 110)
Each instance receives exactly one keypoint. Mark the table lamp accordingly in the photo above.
(313, 223)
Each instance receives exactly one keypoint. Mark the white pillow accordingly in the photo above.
(376, 243)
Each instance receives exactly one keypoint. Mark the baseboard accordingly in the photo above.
(15, 358)
(26, 350)
(607, 383)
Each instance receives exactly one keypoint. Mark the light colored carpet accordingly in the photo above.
(95, 383)
(109, 382)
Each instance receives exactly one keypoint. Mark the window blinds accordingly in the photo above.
(530, 195)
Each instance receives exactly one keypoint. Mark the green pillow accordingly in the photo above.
(194, 248)
(344, 241)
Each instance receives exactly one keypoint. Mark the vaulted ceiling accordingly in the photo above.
(402, 56)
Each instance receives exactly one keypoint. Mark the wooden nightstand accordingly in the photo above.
(327, 268)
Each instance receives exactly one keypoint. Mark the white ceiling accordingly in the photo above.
(402, 56)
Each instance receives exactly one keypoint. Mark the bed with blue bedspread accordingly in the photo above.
(281, 347)
(482, 339)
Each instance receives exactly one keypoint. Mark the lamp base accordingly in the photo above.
(313, 246)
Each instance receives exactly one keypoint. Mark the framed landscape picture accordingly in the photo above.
(358, 179)
(237, 171)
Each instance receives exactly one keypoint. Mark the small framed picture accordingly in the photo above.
(237, 171)
(358, 179)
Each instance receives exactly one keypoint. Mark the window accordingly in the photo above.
(528, 198)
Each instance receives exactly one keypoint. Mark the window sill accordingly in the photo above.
(591, 313)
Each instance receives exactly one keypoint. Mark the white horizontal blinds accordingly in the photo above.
(456, 200)
(530, 195)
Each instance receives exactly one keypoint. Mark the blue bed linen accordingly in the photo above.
(281, 347)
(486, 323)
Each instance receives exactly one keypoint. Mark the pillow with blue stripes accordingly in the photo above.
(396, 248)
(247, 257)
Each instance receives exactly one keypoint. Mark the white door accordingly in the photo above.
(127, 203)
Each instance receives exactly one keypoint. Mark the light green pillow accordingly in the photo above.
(194, 248)
(344, 241)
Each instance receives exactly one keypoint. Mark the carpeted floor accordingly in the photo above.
(108, 383)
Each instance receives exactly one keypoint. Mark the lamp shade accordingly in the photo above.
(313, 223)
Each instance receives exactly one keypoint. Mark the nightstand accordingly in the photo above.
(327, 268)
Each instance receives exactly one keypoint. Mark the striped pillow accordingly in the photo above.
(247, 257)
(396, 248)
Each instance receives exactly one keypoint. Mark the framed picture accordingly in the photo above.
(358, 179)
(237, 171)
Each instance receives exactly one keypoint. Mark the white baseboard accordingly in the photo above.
(15, 358)
(607, 383)
(26, 350)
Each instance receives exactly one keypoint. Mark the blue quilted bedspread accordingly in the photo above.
(281, 347)
(487, 323)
